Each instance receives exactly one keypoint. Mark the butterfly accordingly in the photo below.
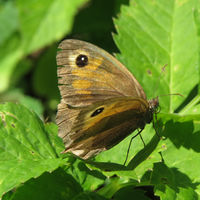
(101, 101)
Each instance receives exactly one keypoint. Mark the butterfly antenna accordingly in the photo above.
(129, 146)
(163, 95)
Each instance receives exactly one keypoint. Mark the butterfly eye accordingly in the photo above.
(82, 60)
(96, 112)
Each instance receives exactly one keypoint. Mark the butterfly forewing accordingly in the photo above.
(87, 74)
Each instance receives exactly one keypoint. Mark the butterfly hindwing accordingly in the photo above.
(98, 127)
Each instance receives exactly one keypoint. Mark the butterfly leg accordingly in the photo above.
(142, 140)
(129, 146)
(161, 137)
(154, 126)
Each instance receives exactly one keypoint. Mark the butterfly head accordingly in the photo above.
(153, 106)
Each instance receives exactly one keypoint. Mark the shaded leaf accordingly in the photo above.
(56, 185)
(50, 21)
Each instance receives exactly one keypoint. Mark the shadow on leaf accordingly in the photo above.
(183, 134)
(162, 177)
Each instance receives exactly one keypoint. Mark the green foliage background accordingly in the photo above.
(145, 35)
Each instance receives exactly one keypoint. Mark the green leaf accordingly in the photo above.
(25, 148)
(56, 185)
(114, 184)
(88, 196)
(152, 34)
(127, 192)
(16, 95)
(32, 25)
(181, 154)
(46, 86)
(172, 184)
(9, 21)
(50, 20)
(90, 179)
(52, 130)
(10, 54)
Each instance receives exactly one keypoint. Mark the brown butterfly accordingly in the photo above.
(101, 103)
